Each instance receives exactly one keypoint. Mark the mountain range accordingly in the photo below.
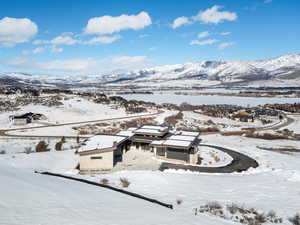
(281, 71)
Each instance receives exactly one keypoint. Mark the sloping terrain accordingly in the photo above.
(282, 71)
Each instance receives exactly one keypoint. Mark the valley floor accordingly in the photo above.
(28, 198)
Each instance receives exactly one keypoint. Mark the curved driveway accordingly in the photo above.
(239, 163)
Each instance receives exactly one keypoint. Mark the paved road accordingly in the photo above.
(280, 125)
(4, 132)
(239, 163)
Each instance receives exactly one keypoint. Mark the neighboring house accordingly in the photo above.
(242, 116)
(26, 118)
(100, 153)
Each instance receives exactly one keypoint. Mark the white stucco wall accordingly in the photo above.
(106, 163)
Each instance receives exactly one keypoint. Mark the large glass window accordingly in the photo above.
(160, 151)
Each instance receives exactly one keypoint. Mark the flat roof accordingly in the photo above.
(101, 141)
(127, 133)
(177, 143)
(132, 128)
(190, 133)
(148, 131)
(153, 127)
(173, 143)
(182, 138)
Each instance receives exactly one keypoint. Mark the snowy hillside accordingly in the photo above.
(281, 71)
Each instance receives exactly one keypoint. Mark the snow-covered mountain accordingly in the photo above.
(284, 70)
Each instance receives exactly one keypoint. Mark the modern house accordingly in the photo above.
(177, 148)
(100, 153)
(143, 136)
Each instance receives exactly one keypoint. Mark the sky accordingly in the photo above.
(99, 37)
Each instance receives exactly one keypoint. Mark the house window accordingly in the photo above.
(160, 151)
(96, 157)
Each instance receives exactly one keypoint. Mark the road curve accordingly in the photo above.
(239, 163)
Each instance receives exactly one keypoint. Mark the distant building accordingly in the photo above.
(102, 152)
(242, 116)
(26, 118)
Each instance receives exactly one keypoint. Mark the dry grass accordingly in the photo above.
(124, 182)
(178, 201)
(243, 215)
(295, 220)
(104, 181)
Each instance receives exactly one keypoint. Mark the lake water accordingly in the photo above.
(160, 98)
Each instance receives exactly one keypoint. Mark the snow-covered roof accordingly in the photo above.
(101, 142)
(158, 142)
(127, 133)
(151, 129)
(132, 128)
(182, 138)
(177, 143)
(173, 143)
(154, 127)
(148, 131)
(190, 133)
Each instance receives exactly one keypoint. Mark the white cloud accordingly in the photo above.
(225, 45)
(213, 15)
(34, 51)
(180, 21)
(225, 33)
(14, 31)
(205, 42)
(109, 24)
(102, 40)
(76, 66)
(63, 40)
(203, 34)
(59, 40)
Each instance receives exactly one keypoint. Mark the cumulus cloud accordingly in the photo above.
(14, 31)
(59, 40)
(225, 45)
(205, 42)
(34, 51)
(109, 24)
(203, 34)
(180, 21)
(81, 65)
(102, 40)
(214, 15)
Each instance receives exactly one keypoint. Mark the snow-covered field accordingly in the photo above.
(209, 99)
(74, 110)
(38, 199)
(296, 125)
(32, 199)
(214, 158)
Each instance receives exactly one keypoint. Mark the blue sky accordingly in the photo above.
(91, 36)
